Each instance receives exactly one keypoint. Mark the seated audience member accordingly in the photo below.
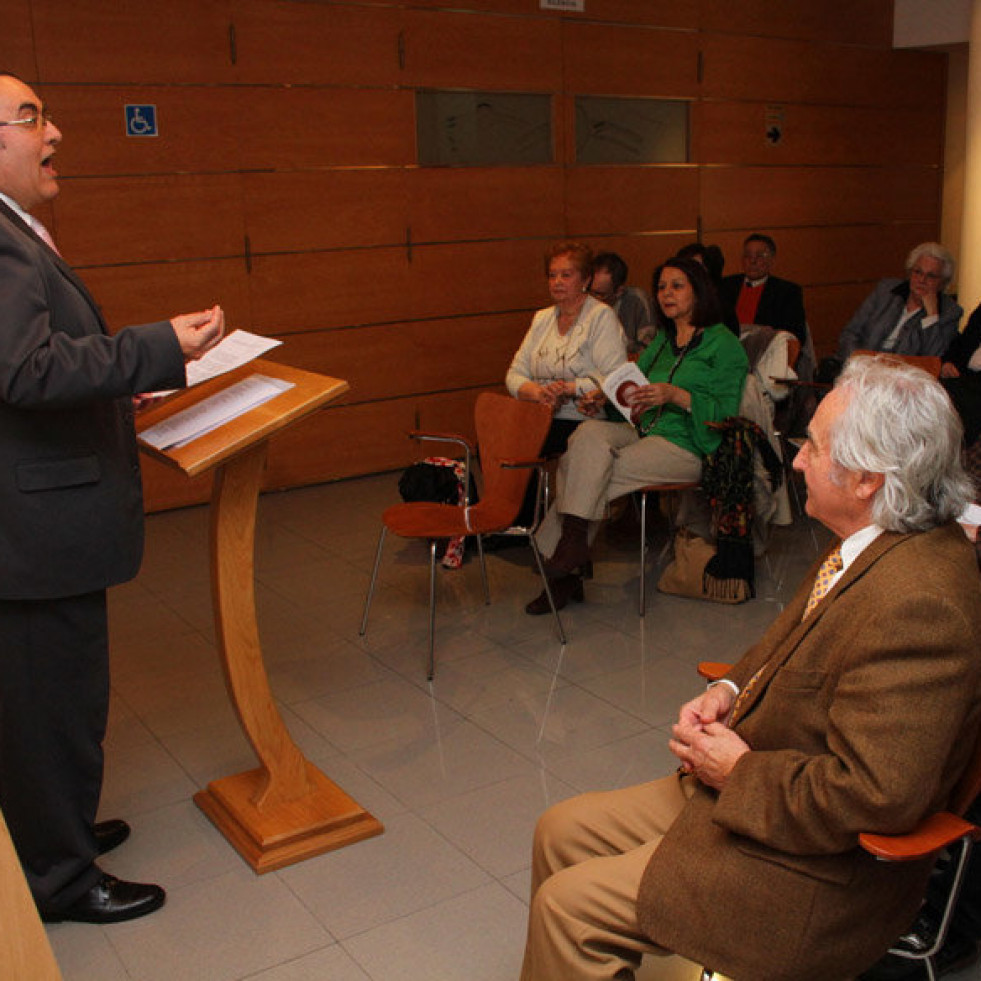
(575, 338)
(760, 298)
(630, 303)
(857, 711)
(907, 316)
(711, 257)
(696, 370)
(960, 374)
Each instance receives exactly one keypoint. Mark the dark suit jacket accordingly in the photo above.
(863, 720)
(70, 492)
(781, 304)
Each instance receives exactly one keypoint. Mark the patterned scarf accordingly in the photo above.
(727, 480)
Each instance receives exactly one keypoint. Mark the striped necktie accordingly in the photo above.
(830, 567)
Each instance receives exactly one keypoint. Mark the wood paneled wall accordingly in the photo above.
(284, 185)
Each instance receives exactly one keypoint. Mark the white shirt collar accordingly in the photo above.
(853, 546)
(757, 282)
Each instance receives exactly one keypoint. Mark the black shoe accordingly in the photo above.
(564, 589)
(110, 834)
(110, 900)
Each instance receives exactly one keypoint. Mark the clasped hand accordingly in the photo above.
(703, 742)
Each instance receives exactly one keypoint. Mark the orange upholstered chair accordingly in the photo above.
(510, 434)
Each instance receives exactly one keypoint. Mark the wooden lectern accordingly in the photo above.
(24, 948)
(286, 809)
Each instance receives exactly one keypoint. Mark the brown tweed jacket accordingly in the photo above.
(863, 720)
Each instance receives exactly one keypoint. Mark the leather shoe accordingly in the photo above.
(110, 900)
(110, 834)
(564, 589)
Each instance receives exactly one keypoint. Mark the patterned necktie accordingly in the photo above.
(43, 234)
(743, 695)
(830, 567)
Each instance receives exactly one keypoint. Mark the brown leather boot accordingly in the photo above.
(572, 552)
(564, 589)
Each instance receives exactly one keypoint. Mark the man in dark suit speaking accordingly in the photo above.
(759, 298)
(71, 525)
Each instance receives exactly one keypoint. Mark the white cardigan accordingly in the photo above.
(594, 345)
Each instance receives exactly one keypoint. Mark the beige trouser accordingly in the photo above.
(588, 858)
(604, 461)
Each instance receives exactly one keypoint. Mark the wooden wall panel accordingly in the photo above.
(297, 211)
(829, 308)
(643, 253)
(339, 442)
(290, 128)
(868, 22)
(833, 253)
(660, 13)
(291, 123)
(140, 219)
(17, 40)
(468, 203)
(477, 277)
(747, 197)
(144, 293)
(450, 49)
(736, 132)
(605, 200)
(613, 60)
(165, 488)
(198, 129)
(138, 42)
(399, 360)
(319, 290)
(316, 43)
(770, 70)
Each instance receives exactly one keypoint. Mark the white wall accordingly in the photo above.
(924, 23)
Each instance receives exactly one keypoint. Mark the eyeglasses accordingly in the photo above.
(41, 118)
(756, 256)
(923, 274)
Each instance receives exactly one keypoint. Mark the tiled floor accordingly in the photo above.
(457, 770)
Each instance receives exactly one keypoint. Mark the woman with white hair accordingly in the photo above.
(907, 316)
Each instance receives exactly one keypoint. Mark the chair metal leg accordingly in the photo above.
(432, 610)
(371, 585)
(643, 553)
(548, 589)
(483, 569)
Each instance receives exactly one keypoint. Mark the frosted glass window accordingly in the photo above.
(631, 131)
(480, 129)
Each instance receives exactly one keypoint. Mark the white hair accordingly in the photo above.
(933, 250)
(899, 422)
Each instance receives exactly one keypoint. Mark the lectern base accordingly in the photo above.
(325, 819)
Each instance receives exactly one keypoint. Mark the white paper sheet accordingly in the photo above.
(209, 414)
(237, 348)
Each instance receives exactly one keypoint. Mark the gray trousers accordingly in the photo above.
(604, 461)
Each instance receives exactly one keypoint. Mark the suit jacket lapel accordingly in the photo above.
(797, 629)
(59, 263)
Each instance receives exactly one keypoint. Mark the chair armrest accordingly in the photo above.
(713, 670)
(523, 464)
(440, 438)
(936, 832)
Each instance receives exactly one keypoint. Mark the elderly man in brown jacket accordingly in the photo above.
(857, 711)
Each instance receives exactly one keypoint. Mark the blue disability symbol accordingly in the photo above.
(141, 120)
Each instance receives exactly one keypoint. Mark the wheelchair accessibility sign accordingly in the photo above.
(141, 120)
